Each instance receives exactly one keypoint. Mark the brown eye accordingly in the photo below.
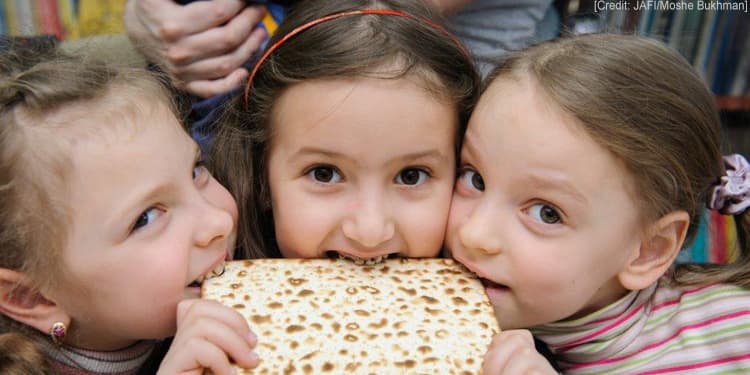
(326, 175)
(412, 176)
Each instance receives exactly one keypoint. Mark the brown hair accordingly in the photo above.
(350, 46)
(645, 104)
(37, 87)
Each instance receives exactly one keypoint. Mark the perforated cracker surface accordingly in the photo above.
(403, 316)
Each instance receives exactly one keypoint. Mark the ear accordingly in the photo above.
(657, 251)
(22, 302)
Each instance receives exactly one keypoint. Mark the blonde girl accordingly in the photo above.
(584, 170)
(109, 223)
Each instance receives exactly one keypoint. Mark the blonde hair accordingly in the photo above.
(645, 104)
(37, 87)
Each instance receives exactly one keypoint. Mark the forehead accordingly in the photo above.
(518, 127)
(138, 123)
(512, 108)
(118, 128)
(121, 107)
(369, 109)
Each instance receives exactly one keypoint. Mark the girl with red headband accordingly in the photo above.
(344, 141)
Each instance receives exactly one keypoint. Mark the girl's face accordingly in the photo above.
(147, 221)
(361, 168)
(540, 210)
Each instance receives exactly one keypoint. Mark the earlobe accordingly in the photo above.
(24, 303)
(657, 251)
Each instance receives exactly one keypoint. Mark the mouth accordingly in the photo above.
(487, 283)
(491, 284)
(215, 272)
(371, 261)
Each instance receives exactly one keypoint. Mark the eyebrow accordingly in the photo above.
(559, 184)
(542, 181)
(468, 147)
(312, 151)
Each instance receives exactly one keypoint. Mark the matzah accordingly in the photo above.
(318, 316)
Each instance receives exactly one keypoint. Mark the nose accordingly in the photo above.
(479, 231)
(212, 223)
(369, 221)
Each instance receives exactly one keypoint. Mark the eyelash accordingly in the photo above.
(421, 170)
(557, 212)
(310, 172)
(143, 214)
(472, 184)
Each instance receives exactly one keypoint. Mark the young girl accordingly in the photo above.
(583, 172)
(109, 223)
(344, 143)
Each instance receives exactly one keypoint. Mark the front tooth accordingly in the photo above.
(359, 261)
(218, 271)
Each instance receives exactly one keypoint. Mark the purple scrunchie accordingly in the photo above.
(731, 193)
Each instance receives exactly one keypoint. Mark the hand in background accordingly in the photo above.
(209, 334)
(513, 353)
(202, 45)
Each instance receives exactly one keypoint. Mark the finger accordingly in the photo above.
(218, 41)
(208, 88)
(171, 21)
(236, 346)
(210, 357)
(218, 67)
(191, 311)
(503, 348)
(192, 356)
(200, 326)
(182, 309)
(152, 14)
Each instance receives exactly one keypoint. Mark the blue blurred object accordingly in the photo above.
(205, 112)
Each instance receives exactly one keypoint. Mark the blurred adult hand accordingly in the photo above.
(201, 45)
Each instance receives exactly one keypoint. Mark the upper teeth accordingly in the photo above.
(361, 261)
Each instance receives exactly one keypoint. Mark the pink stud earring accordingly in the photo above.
(57, 332)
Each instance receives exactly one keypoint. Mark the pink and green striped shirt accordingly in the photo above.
(665, 329)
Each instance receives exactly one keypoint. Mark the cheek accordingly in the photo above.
(300, 228)
(459, 213)
(427, 224)
(546, 274)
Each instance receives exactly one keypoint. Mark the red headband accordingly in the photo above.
(329, 17)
